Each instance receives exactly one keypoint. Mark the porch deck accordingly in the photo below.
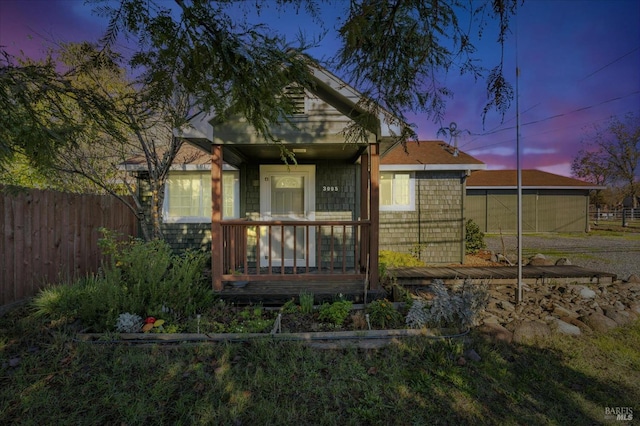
(503, 275)
(279, 291)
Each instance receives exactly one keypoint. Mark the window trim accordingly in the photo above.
(412, 194)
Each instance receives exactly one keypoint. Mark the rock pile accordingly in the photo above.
(560, 308)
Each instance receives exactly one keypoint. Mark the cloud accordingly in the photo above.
(563, 169)
(538, 151)
(496, 151)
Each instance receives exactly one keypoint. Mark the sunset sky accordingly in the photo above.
(579, 65)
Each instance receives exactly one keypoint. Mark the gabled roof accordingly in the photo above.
(315, 135)
(429, 155)
(508, 179)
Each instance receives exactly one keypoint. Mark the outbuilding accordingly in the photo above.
(550, 202)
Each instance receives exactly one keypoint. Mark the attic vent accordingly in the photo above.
(297, 96)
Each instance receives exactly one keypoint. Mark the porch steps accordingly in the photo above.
(275, 293)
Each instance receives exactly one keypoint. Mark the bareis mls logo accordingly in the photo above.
(618, 413)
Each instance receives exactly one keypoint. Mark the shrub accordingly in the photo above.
(335, 313)
(417, 316)
(392, 259)
(140, 278)
(383, 314)
(449, 309)
(473, 238)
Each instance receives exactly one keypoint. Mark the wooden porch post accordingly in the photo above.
(216, 217)
(374, 212)
(364, 202)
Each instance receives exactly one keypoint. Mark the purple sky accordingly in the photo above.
(579, 65)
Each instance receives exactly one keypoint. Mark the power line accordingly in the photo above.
(617, 98)
(610, 63)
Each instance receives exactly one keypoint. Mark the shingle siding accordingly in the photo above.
(434, 231)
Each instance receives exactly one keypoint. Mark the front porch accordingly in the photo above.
(297, 247)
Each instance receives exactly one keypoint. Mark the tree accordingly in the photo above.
(396, 52)
(141, 124)
(611, 156)
(35, 122)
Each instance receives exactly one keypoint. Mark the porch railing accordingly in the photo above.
(283, 250)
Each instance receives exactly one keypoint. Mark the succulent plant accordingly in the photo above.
(129, 323)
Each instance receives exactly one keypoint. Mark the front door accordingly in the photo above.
(287, 193)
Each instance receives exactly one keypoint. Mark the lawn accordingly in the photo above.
(47, 376)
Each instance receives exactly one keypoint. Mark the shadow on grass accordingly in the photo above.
(411, 381)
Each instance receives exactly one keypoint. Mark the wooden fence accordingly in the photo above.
(48, 237)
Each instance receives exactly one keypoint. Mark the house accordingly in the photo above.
(422, 189)
(550, 202)
(317, 219)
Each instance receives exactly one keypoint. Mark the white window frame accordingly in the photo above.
(412, 193)
(204, 175)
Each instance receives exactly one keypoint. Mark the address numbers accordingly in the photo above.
(330, 189)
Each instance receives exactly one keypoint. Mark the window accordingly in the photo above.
(188, 196)
(396, 191)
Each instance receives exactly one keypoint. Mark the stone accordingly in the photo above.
(529, 331)
(566, 328)
(491, 319)
(561, 311)
(620, 317)
(507, 306)
(496, 332)
(587, 293)
(599, 322)
(635, 307)
(574, 321)
(633, 287)
(539, 260)
(472, 355)
(563, 261)
(633, 278)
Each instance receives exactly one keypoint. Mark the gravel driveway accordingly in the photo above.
(618, 255)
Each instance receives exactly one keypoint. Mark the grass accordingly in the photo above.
(47, 377)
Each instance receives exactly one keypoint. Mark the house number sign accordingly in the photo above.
(330, 189)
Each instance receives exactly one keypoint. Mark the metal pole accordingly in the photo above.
(519, 172)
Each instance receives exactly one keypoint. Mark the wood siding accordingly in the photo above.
(47, 237)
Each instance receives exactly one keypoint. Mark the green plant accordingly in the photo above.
(335, 313)
(140, 278)
(250, 320)
(289, 307)
(306, 302)
(57, 302)
(383, 314)
(391, 259)
(473, 237)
